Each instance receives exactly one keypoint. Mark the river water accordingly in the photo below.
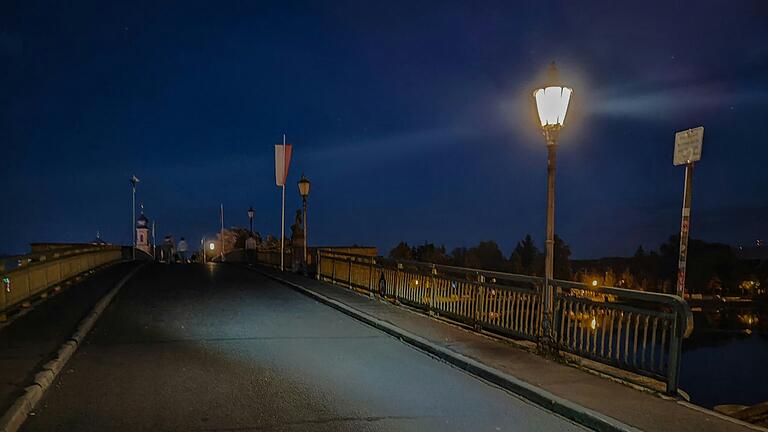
(725, 361)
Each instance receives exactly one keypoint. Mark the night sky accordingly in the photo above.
(413, 121)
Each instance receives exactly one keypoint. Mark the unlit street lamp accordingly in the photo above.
(304, 192)
(134, 182)
(552, 105)
(251, 214)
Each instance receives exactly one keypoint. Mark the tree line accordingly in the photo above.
(526, 258)
(713, 268)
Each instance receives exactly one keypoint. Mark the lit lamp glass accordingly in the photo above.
(211, 246)
(304, 187)
(552, 101)
(552, 104)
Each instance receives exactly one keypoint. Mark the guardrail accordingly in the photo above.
(271, 257)
(632, 330)
(27, 276)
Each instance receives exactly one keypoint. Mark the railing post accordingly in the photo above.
(370, 277)
(480, 302)
(675, 347)
(397, 282)
(432, 290)
(545, 341)
(349, 273)
(333, 270)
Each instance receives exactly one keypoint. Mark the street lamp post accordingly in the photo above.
(552, 105)
(304, 192)
(251, 214)
(134, 181)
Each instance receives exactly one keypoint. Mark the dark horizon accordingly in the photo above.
(413, 122)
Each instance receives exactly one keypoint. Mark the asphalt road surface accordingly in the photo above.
(30, 340)
(221, 348)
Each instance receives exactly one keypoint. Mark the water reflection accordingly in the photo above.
(723, 360)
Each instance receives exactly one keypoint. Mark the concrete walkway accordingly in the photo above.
(638, 409)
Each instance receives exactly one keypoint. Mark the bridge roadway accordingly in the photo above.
(221, 348)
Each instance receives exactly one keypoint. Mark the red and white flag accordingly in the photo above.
(282, 162)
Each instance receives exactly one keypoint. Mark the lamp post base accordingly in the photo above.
(545, 344)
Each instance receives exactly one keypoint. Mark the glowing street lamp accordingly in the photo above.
(205, 244)
(304, 192)
(552, 105)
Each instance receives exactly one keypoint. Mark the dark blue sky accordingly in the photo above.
(413, 120)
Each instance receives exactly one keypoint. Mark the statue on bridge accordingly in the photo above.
(297, 242)
(297, 230)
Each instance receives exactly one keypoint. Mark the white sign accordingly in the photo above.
(688, 146)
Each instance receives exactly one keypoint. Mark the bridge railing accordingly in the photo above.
(271, 257)
(27, 276)
(632, 330)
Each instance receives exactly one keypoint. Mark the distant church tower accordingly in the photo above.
(142, 234)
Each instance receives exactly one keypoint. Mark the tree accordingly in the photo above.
(515, 264)
(401, 252)
(486, 255)
(458, 257)
(430, 253)
(235, 237)
(271, 242)
(710, 267)
(526, 257)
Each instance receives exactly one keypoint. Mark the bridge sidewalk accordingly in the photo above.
(635, 408)
(30, 340)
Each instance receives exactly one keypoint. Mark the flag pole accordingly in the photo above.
(282, 218)
(221, 233)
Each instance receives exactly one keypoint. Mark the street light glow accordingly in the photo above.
(211, 246)
(552, 105)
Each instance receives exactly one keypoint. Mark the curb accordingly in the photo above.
(572, 411)
(14, 418)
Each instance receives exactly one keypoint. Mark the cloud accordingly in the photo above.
(395, 145)
(652, 104)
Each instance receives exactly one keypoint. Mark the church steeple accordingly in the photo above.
(142, 232)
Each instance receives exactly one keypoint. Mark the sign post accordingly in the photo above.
(282, 162)
(687, 151)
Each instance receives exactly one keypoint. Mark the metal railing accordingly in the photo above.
(632, 330)
(27, 276)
